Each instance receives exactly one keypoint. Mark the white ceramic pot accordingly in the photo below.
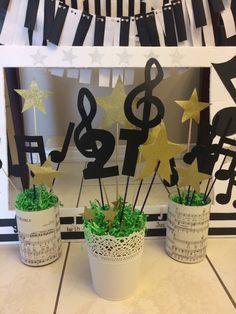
(39, 236)
(187, 232)
(115, 264)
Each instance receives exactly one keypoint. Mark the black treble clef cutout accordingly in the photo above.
(135, 138)
(87, 143)
(148, 100)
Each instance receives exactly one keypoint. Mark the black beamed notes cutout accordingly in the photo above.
(24, 145)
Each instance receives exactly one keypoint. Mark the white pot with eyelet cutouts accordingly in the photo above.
(115, 263)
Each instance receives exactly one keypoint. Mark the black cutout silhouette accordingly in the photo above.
(135, 138)
(87, 143)
(26, 144)
(59, 156)
(226, 72)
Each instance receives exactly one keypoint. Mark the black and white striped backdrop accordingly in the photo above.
(221, 224)
(115, 23)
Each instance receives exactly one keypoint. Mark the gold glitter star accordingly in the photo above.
(110, 214)
(34, 97)
(117, 204)
(113, 106)
(192, 107)
(190, 176)
(160, 149)
(88, 213)
(43, 174)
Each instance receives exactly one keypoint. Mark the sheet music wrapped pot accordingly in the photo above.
(39, 236)
(187, 231)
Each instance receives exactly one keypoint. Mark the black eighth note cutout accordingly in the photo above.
(94, 143)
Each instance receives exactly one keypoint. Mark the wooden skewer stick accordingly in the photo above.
(150, 187)
(192, 198)
(190, 133)
(124, 201)
(135, 197)
(166, 188)
(137, 194)
(105, 192)
(10, 181)
(100, 187)
(180, 198)
(117, 144)
(35, 123)
(188, 194)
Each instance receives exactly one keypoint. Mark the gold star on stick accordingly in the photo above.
(110, 214)
(190, 176)
(88, 213)
(113, 105)
(161, 149)
(117, 204)
(192, 107)
(43, 174)
(34, 97)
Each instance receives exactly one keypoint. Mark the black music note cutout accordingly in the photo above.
(208, 154)
(227, 174)
(223, 116)
(59, 156)
(227, 72)
(87, 143)
(24, 145)
(135, 138)
(174, 178)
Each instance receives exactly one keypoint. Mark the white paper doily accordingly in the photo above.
(111, 248)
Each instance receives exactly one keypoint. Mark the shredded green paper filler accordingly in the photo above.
(133, 220)
(26, 200)
(198, 199)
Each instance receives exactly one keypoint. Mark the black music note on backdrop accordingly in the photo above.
(174, 178)
(208, 154)
(223, 125)
(59, 156)
(24, 145)
(223, 116)
(87, 143)
(227, 72)
(227, 174)
(135, 138)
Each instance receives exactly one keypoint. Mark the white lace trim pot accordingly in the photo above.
(187, 232)
(111, 248)
(115, 263)
(39, 236)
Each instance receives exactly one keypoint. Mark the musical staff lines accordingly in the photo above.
(187, 232)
